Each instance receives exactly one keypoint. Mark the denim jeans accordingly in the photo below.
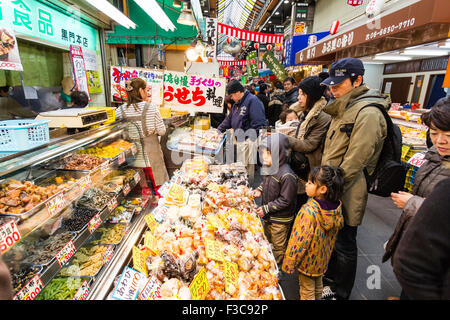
(342, 266)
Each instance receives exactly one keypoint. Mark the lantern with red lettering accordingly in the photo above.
(243, 43)
(279, 47)
(229, 40)
(269, 47)
(355, 3)
(374, 8)
(334, 27)
(256, 46)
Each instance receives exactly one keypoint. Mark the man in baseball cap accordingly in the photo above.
(345, 75)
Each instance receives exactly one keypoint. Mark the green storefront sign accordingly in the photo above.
(34, 19)
(274, 65)
(252, 64)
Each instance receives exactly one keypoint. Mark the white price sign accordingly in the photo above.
(137, 177)
(66, 253)
(82, 292)
(112, 204)
(121, 158)
(418, 159)
(126, 189)
(128, 286)
(85, 183)
(30, 290)
(9, 235)
(105, 168)
(107, 256)
(151, 290)
(56, 204)
(94, 223)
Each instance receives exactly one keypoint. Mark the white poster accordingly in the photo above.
(90, 59)
(211, 38)
(79, 69)
(9, 51)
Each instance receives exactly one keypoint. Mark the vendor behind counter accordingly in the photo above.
(10, 109)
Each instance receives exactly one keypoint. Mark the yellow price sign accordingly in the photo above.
(215, 222)
(151, 222)
(139, 258)
(405, 150)
(176, 192)
(214, 250)
(213, 187)
(231, 277)
(151, 243)
(199, 286)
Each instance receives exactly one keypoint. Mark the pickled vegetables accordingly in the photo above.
(61, 289)
(86, 262)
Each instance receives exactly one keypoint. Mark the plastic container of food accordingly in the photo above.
(110, 233)
(62, 288)
(87, 262)
(20, 276)
(78, 219)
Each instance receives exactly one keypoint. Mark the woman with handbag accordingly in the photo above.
(145, 125)
(308, 144)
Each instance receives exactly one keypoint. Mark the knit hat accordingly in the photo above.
(235, 86)
(311, 86)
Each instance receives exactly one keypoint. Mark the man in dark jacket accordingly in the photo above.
(279, 191)
(290, 92)
(262, 95)
(422, 259)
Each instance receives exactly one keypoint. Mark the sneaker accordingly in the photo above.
(328, 294)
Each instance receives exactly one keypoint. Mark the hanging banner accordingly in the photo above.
(226, 63)
(299, 28)
(274, 65)
(154, 79)
(193, 93)
(94, 83)
(9, 51)
(79, 69)
(252, 64)
(90, 59)
(211, 38)
(249, 35)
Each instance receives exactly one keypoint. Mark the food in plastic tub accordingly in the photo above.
(43, 251)
(79, 218)
(110, 234)
(61, 288)
(84, 162)
(103, 152)
(86, 262)
(21, 277)
(94, 199)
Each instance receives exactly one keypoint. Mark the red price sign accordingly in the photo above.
(82, 292)
(112, 204)
(66, 253)
(56, 204)
(126, 189)
(94, 223)
(9, 235)
(30, 290)
(85, 183)
(417, 160)
(107, 256)
(151, 290)
(121, 158)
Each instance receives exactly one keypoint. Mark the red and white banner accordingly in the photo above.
(79, 69)
(225, 63)
(355, 3)
(334, 27)
(249, 35)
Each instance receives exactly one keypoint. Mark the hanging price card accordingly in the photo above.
(94, 223)
(231, 277)
(66, 253)
(151, 222)
(85, 183)
(107, 256)
(137, 177)
(126, 189)
(121, 158)
(9, 235)
(128, 286)
(159, 213)
(82, 292)
(151, 290)
(56, 204)
(417, 160)
(30, 290)
(139, 258)
(199, 286)
(151, 243)
(215, 222)
(112, 204)
(214, 250)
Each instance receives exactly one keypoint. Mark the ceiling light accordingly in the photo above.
(176, 4)
(112, 12)
(186, 16)
(270, 21)
(286, 1)
(418, 52)
(155, 12)
(277, 13)
(391, 57)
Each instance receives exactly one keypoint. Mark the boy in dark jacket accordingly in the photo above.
(278, 191)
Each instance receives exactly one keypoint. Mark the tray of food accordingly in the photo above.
(88, 261)
(79, 162)
(121, 214)
(65, 180)
(121, 177)
(108, 152)
(110, 233)
(78, 219)
(21, 275)
(95, 199)
(62, 288)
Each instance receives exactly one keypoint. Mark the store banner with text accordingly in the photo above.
(79, 69)
(9, 51)
(120, 75)
(211, 38)
(193, 93)
(252, 64)
(275, 65)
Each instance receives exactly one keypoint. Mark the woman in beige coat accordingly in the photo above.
(145, 125)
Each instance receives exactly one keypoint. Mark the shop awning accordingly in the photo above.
(419, 22)
(148, 32)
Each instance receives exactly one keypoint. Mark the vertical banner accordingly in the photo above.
(154, 79)
(193, 93)
(252, 64)
(79, 69)
(274, 65)
(9, 51)
(299, 28)
(211, 38)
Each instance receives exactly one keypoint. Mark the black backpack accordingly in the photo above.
(390, 174)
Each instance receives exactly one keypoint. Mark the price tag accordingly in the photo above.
(30, 290)
(121, 158)
(151, 290)
(82, 292)
(107, 256)
(128, 286)
(199, 287)
(231, 277)
(9, 235)
(137, 177)
(56, 204)
(215, 222)
(159, 213)
(126, 189)
(405, 150)
(139, 258)
(85, 183)
(214, 250)
(105, 168)
(66, 253)
(164, 189)
(134, 149)
(151, 243)
(94, 223)
(417, 160)
(112, 204)
(151, 222)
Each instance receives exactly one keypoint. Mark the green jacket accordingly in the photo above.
(360, 151)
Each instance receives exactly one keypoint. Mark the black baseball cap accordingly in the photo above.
(343, 69)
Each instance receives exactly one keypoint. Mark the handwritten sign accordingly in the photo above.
(214, 250)
(94, 223)
(30, 290)
(105, 168)
(151, 222)
(85, 183)
(405, 150)
(56, 204)
(159, 213)
(215, 222)
(137, 177)
(9, 235)
(139, 258)
(112, 204)
(151, 290)
(199, 286)
(164, 189)
(151, 243)
(64, 255)
(128, 286)
(107, 256)
(231, 277)
(418, 159)
(82, 292)
(126, 189)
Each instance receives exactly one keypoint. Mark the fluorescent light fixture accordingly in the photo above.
(152, 8)
(277, 13)
(418, 52)
(112, 12)
(391, 57)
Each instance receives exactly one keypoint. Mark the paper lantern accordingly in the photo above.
(334, 27)
(374, 8)
(256, 45)
(229, 40)
(243, 43)
(269, 47)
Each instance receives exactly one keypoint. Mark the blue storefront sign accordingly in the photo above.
(298, 43)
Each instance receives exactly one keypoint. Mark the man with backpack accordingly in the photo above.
(354, 142)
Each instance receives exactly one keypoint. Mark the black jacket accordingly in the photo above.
(422, 259)
(279, 185)
(290, 97)
(265, 101)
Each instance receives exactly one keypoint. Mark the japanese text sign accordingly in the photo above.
(252, 64)
(139, 258)
(128, 286)
(56, 204)
(151, 290)
(199, 286)
(9, 50)
(151, 222)
(275, 65)
(30, 290)
(64, 255)
(193, 93)
(82, 293)
(9, 235)
(211, 38)
(79, 69)
(214, 250)
(231, 277)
